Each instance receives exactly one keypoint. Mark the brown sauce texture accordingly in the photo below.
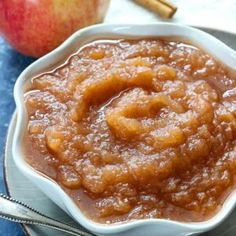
(135, 129)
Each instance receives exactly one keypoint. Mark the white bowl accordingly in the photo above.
(151, 227)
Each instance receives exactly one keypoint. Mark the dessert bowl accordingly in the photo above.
(163, 227)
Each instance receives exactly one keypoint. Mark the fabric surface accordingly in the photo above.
(11, 65)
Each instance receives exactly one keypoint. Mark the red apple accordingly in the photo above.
(35, 27)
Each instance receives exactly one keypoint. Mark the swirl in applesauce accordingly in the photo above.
(135, 129)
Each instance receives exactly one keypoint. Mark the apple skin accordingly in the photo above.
(35, 27)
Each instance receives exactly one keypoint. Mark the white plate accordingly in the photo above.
(22, 189)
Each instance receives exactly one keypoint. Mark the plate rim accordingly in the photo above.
(13, 118)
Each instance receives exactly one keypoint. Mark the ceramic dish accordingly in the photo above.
(138, 227)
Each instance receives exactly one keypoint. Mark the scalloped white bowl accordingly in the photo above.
(150, 227)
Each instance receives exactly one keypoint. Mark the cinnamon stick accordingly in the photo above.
(162, 7)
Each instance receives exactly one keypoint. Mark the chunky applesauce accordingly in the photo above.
(135, 129)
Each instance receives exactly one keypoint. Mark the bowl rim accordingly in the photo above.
(114, 29)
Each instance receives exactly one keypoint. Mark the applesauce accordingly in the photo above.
(135, 129)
